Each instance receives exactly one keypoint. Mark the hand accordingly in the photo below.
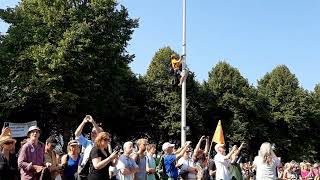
(86, 119)
(188, 143)
(48, 164)
(193, 170)
(126, 171)
(203, 137)
(114, 155)
(37, 168)
(234, 147)
(242, 144)
(151, 171)
(90, 119)
(6, 130)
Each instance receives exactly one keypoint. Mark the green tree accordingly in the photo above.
(289, 112)
(63, 59)
(231, 99)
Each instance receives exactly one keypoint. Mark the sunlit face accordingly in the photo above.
(129, 149)
(143, 145)
(34, 134)
(222, 150)
(104, 142)
(153, 150)
(170, 150)
(50, 146)
(74, 149)
(187, 153)
(9, 145)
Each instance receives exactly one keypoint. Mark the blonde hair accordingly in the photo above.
(140, 141)
(266, 153)
(100, 137)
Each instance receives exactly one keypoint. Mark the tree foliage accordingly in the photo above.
(62, 59)
(69, 57)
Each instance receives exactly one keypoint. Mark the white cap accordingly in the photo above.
(166, 145)
(216, 147)
(31, 128)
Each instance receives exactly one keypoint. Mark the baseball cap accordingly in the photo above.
(166, 145)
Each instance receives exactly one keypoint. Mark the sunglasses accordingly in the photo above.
(9, 142)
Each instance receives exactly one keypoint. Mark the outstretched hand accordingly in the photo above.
(6, 130)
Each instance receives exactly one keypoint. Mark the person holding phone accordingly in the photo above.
(100, 158)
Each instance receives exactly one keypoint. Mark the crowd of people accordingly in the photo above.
(94, 159)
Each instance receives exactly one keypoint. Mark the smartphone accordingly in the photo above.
(117, 148)
(6, 124)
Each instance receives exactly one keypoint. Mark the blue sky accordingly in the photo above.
(252, 35)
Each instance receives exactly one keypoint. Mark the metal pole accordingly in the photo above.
(183, 96)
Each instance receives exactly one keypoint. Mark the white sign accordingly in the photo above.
(19, 129)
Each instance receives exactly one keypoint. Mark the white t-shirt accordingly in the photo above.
(185, 164)
(265, 171)
(222, 165)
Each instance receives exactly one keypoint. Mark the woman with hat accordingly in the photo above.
(8, 162)
(71, 160)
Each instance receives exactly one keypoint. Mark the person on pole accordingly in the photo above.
(176, 65)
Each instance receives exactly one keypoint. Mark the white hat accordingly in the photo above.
(216, 147)
(166, 145)
(31, 128)
(73, 143)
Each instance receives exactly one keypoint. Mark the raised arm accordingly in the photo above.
(206, 148)
(231, 152)
(196, 149)
(78, 131)
(181, 58)
(183, 150)
(95, 125)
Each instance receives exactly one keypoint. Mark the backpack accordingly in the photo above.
(161, 170)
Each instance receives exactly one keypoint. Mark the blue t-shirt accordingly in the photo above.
(170, 165)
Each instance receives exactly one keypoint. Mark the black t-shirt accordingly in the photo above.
(101, 173)
(212, 166)
(8, 169)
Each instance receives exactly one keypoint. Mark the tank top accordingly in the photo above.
(71, 168)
